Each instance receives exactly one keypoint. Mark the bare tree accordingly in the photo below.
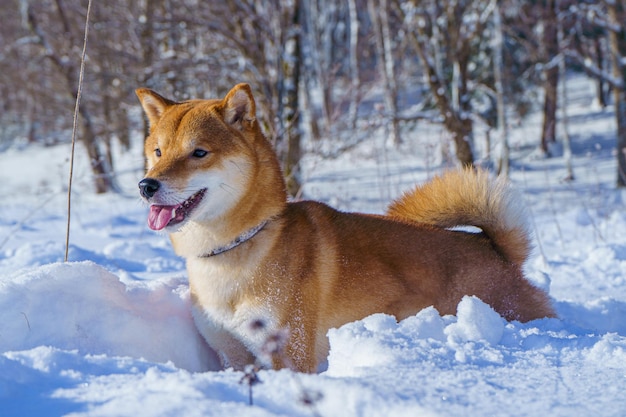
(455, 28)
(259, 42)
(290, 114)
(319, 24)
(498, 64)
(354, 64)
(617, 41)
(534, 27)
(609, 16)
(301, 56)
(567, 147)
(68, 69)
(548, 47)
(379, 15)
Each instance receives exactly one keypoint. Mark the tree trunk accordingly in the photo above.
(600, 84)
(354, 64)
(550, 104)
(551, 76)
(103, 180)
(380, 21)
(503, 160)
(617, 44)
(103, 177)
(320, 46)
(620, 114)
(567, 147)
(457, 122)
(458, 125)
(291, 113)
(462, 133)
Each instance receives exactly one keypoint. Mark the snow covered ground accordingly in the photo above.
(110, 333)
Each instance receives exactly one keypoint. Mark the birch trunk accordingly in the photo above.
(382, 33)
(551, 76)
(567, 147)
(503, 161)
(354, 64)
(291, 113)
(617, 44)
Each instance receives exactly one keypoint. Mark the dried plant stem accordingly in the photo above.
(75, 122)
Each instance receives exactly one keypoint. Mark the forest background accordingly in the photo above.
(320, 69)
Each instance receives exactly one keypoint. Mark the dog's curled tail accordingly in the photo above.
(469, 197)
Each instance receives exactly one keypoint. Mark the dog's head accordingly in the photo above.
(200, 156)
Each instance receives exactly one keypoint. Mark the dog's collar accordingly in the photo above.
(242, 238)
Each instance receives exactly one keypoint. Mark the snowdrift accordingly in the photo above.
(75, 335)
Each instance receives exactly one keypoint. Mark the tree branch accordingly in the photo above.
(594, 70)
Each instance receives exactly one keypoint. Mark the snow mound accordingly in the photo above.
(476, 321)
(82, 306)
(379, 340)
(76, 338)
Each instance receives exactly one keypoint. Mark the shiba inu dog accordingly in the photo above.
(259, 265)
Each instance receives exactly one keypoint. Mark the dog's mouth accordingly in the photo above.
(161, 216)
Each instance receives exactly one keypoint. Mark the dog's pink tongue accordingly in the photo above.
(160, 216)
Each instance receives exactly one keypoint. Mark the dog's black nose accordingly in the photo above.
(148, 187)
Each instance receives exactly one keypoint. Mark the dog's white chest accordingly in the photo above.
(223, 316)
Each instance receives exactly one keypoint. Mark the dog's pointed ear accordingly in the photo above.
(154, 105)
(239, 107)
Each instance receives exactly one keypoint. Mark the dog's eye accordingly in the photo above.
(199, 153)
(157, 152)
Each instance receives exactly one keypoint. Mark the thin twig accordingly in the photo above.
(27, 321)
(78, 94)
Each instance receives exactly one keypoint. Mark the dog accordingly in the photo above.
(260, 266)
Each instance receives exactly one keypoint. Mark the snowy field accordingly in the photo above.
(110, 333)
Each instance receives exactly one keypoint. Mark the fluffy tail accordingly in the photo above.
(468, 197)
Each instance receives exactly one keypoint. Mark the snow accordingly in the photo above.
(96, 313)
(110, 332)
